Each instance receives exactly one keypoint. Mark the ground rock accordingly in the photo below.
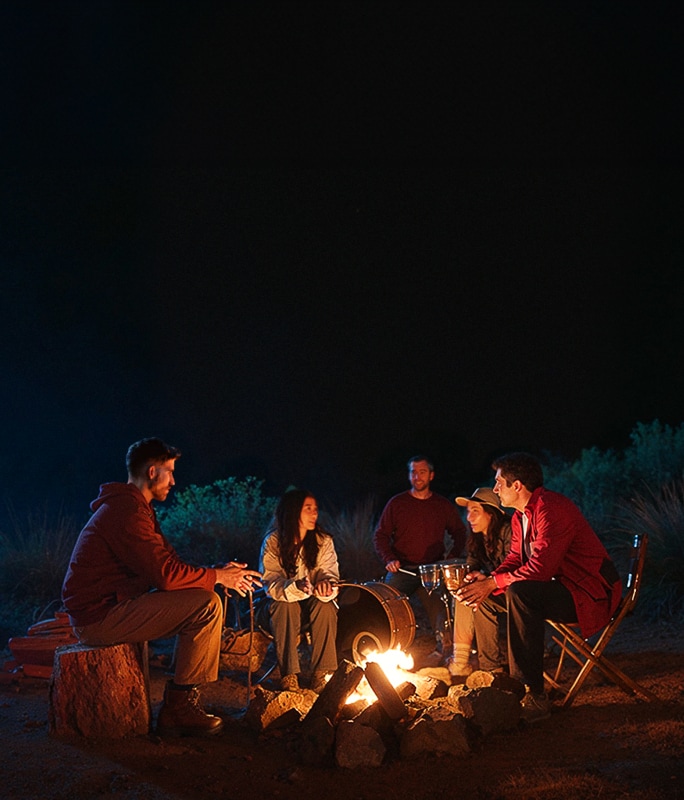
(489, 709)
(439, 730)
(357, 745)
(497, 680)
(278, 709)
(317, 740)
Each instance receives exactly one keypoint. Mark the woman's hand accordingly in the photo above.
(304, 585)
(324, 589)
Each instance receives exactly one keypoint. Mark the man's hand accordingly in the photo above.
(392, 566)
(476, 588)
(236, 576)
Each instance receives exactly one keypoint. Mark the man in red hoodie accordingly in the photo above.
(556, 569)
(125, 583)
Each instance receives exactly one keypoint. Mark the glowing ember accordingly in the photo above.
(394, 663)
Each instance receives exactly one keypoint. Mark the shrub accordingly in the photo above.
(352, 531)
(33, 561)
(601, 481)
(222, 522)
(659, 514)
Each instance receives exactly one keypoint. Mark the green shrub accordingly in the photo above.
(222, 522)
(601, 481)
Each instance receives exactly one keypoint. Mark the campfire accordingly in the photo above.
(379, 709)
(395, 664)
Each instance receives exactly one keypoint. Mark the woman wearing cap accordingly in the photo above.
(488, 543)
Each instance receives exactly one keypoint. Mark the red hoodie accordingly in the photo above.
(122, 553)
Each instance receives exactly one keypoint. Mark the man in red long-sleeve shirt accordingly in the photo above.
(411, 532)
(557, 568)
(125, 583)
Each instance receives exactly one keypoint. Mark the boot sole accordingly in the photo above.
(176, 733)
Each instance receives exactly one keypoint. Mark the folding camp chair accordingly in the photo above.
(568, 637)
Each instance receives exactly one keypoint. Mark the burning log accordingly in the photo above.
(385, 692)
(336, 692)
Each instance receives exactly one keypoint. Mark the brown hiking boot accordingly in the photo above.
(182, 715)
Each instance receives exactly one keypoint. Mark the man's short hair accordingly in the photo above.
(146, 452)
(521, 467)
(421, 458)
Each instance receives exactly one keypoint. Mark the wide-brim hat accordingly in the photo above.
(482, 495)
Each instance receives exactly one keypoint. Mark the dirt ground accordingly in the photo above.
(607, 744)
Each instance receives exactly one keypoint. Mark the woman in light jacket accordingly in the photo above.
(301, 575)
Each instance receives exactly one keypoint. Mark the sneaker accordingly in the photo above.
(458, 670)
(535, 706)
(289, 683)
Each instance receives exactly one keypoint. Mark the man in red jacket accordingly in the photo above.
(556, 569)
(125, 583)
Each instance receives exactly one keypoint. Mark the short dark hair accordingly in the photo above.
(420, 457)
(521, 467)
(149, 451)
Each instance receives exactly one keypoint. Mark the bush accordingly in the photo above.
(660, 515)
(353, 535)
(35, 556)
(222, 522)
(600, 482)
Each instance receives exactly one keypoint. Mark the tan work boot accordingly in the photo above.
(182, 715)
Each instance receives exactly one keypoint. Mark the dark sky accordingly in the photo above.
(305, 241)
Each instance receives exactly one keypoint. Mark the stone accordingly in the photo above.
(490, 709)
(439, 731)
(357, 745)
(269, 710)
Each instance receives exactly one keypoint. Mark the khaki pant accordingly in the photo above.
(286, 626)
(194, 616)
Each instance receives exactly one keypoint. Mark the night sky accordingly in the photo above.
(305, 241)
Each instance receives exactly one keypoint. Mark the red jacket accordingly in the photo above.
(122, 553)
(565, 548)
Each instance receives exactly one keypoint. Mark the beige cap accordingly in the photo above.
(482, 495)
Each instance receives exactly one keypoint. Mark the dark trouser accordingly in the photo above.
(490, 633)
(286, 626)
(529, 605)
(432, 603)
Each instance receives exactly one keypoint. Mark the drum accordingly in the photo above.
(372, 616)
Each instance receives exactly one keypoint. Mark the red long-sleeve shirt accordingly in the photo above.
(121, 553)
(412, 531)
(564, 547)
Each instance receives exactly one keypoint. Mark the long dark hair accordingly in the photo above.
(482, 547)
(287, 514)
